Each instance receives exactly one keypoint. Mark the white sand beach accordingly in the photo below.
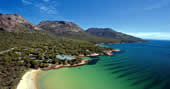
(29, 80)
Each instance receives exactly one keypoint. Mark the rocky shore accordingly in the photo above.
(53, 66)
(106, 52)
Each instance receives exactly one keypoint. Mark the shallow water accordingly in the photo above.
(137, 66)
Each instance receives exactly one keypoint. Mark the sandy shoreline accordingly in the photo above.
(29, 80)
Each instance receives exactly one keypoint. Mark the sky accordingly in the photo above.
(149, 19)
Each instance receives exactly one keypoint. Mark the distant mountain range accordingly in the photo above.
(16, 23)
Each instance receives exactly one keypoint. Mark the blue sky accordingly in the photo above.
(141, 18)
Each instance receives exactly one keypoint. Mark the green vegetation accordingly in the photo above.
(11, 39)
(22, 47)
(37, 50)
(87, 37)
(113, 35)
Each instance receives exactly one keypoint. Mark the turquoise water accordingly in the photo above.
(137, 66)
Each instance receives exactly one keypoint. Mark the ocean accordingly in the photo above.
(136, 66)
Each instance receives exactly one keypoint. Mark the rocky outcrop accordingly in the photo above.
(60, 27)
(14, 23)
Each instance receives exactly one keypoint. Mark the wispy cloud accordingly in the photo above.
(48, 9)
(45, 9)
(152, 35)
(26, 2)
(44, 6)
(157, 4)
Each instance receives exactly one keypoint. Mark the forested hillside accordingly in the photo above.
(16, 23)
(10, 39)
(36, 50)
(111, 34)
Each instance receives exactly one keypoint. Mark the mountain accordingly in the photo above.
(69, 30)
(60, 27)
(15, 23)
(112, 34)
(95, 35)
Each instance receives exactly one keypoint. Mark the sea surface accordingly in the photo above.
(137, 66)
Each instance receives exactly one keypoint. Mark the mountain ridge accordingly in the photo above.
(59, 27)
(112, 34)
(16, 23)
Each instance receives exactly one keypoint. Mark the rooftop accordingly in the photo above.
(63, 57)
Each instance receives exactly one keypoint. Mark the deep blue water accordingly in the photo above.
(152, 58)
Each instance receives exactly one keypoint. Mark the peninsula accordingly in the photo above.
(48, 45)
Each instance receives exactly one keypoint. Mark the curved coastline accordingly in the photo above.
(29, 80)
(83, 62)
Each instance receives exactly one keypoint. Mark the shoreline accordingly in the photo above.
(29, 80)
(83, 62)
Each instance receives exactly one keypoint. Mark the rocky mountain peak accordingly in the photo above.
(60, 26)
(14, 23)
